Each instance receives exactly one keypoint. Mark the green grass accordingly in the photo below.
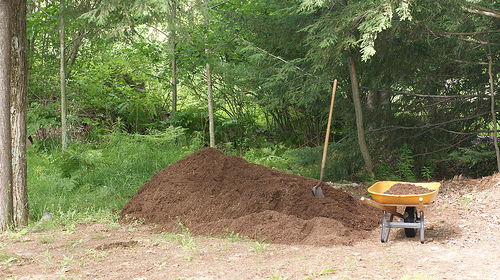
(97, 179)
(6, 258)
(277, 276)
(259, 246)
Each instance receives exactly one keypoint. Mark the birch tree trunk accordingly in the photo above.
(62, 42)
(209, 86)
(5, 144)
(18, 99)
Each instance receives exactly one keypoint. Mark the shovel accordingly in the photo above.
(317, 192)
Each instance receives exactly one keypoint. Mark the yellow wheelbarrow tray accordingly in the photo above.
(410, 220)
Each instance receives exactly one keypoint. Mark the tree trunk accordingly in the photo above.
(174, 81)
(19, 91)
(210, 107)
(5, 144)
(211, 125)
(62, 42)
(359, 116)
(493, 115)
(77, 43)
(174, 59)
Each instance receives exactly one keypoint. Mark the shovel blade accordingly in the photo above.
(317, 192)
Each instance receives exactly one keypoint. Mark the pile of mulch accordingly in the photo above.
(407, 189)
(212, 193)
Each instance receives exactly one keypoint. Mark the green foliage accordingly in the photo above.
(307, 155)
(42, 116)
(427, 171)
(102, 177)
(378, 19)
(118, 86)
(77, 159)
(343, 161)
(234, 237)
(271, 156)
(259, 246)
(474, 161)
(404, 167)
(385, 171)
(193, 118)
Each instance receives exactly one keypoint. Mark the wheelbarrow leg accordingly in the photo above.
(422, 227)
(385, 227)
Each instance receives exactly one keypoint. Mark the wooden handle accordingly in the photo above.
(389, 209)
(325, 149)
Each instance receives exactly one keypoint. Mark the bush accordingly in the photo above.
(474, 162)
(343, 162)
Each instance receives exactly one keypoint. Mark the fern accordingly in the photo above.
(405, 166)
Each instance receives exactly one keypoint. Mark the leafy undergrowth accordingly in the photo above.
(103, 177)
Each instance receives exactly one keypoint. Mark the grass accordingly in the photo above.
(277, 276)
(46, 239)
(320, 273)
(414, 277)
(182, 236)
(6, 259)
(466, 202)
(259, 246)
(234, 237)
(93, 179)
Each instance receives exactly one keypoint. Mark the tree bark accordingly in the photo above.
(359, 116)
(5, 144)
(19, 92)
(493, 114)
(211, 125)
(210, 107)
(62, 42)
(174, 58)
(77, 42)
(174, 81)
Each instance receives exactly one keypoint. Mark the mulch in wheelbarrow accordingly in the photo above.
(214, 194)
(407, 189)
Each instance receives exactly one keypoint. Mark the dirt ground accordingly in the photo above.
(461, 235)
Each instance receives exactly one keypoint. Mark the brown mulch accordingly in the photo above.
(212, 193)
(407, 189)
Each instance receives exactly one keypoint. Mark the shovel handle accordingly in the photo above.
(327, 137)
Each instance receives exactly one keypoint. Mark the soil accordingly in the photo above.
(407, 189)
(211, 193)
(214, 216)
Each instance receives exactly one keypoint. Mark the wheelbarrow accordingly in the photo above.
(411, 220)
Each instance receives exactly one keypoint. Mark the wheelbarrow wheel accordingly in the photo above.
(410, 217)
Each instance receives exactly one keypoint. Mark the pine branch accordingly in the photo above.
(279, 58)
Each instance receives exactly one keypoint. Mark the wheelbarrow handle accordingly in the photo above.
(389, 209)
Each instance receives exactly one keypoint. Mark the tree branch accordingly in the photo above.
(276, 57)
(479, 10)
(468, 96)
(217, 5)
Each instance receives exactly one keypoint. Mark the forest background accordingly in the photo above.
(118, 90)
